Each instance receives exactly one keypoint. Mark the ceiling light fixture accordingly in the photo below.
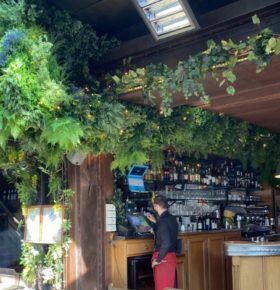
(166, 18)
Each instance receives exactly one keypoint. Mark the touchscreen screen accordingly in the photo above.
(139, 222)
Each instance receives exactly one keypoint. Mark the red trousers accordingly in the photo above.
(164, 273)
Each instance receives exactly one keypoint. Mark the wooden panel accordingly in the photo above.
(271, 273)
(216, 263)
(119, 264)
(256, 273)
(140, 247)
(181, 272)
(196, 257)
(248, 273)
(232, 236)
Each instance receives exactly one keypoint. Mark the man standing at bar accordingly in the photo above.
(164, 257)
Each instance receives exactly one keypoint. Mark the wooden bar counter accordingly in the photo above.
(201, 263)
(255, 266)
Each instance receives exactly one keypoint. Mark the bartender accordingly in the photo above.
(164, 257)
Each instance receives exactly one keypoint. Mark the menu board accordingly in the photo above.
(44, 224)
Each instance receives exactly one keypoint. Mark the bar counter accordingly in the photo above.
(201, 263)
(255, 265)
(243, 248)
(180, 235)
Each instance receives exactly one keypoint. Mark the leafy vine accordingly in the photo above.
(218, 60)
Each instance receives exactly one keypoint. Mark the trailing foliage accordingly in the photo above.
(218, 60)
(41, 118)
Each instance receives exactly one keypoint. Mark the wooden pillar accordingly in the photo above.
(87, 264)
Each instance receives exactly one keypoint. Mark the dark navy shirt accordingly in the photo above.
(166, 230)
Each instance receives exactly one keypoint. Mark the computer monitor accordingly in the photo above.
(139, 223)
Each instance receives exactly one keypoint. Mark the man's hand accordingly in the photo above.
(150, 217)
(155, 263)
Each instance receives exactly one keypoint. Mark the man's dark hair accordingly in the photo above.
(161, 201)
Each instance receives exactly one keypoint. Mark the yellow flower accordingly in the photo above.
(12, 155)
(57, 207)
(24, 211)
(34, 179)
(21, 155)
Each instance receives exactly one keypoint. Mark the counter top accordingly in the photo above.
(243, 248)
(181, 234)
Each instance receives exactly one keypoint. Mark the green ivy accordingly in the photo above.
(218, 60)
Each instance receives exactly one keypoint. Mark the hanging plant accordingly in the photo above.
(218, 60)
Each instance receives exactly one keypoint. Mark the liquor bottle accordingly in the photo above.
(175, 174)
(198, 173)
(166, 174)
(186, 174)
(180, 171)
(199, 224)
(207, 223)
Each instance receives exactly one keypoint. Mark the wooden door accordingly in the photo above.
(216, 262)
(196, 263)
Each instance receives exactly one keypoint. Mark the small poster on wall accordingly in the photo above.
(44, 224)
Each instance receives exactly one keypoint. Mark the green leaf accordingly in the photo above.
(227, 45)
(65, 132)
(132, 73)
(15, 131)
(277, 47)
(116, 79)
(251, 56)
(210, 44)
(231, 90)
(230, 76)
(271, 45)
(140, 71)
(256, 19)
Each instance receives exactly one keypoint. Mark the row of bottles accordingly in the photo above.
(206, 222)
(216, 172)
(210, 222)
(9, 194)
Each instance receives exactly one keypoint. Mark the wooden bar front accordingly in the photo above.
(256, 266)
(200, 266)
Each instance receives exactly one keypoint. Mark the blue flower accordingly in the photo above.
(12, 39)
(3, 58)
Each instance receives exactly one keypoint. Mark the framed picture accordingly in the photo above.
(44, 224)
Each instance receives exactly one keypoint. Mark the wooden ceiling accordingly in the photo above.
(257, 97)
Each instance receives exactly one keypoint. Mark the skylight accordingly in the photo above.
(166, 18)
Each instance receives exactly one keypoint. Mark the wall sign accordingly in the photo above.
(44, 224)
